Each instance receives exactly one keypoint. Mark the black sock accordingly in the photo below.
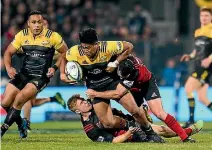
(191, 102)
(148, 130)
(210, 106)
(53, 99)
(19, 119)
(11, 117)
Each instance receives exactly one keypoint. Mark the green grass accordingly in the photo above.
(69, 135)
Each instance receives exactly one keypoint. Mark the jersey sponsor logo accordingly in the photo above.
(45, 42)
(103, 58)
(84, 62)
(95, 71)
(100, 139)
(34, 54)
(128, 83)
(154, 94)
(26, 42)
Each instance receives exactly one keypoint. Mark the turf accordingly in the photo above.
(69, 135)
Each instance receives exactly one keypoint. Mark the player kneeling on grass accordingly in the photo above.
(96, 132)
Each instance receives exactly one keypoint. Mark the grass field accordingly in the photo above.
(69, 135)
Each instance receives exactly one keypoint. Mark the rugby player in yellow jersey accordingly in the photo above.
(202, 55)
(38, 45)
(35, 102)
(99, 60)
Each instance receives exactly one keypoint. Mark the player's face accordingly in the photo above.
(35, 24)
(83, 106)
(89, 49)
(205, 17)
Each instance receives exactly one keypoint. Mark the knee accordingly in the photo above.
(107, 123)
(20, 99)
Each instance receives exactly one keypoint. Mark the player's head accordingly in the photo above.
(45, 21)
(89, 42)
(126, 70)
(35, 22)
(205, 16)
(78, 104)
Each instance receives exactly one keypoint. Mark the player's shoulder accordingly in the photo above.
(23, 32)
(51, 34)
(74, 50)
(197, 32)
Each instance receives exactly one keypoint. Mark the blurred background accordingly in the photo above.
(161, 31)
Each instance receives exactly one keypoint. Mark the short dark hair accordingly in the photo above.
(72, 102)
(126, 68)
(88, 36)
(35, 12)
(206, 9)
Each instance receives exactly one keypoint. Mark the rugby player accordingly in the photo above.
(39, 45)
(143, 85)
(202, 56)
(96, 131)
(98, 60)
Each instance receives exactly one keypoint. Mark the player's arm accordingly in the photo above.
(123, 49)
(12, 49)
(187, 57)
(111, 94)
(60, 46)
(97, 135)
(207, 61)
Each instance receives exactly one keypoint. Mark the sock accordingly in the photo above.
(172, 123)
(11, 117)
(210, 106)
(191, 102)
(188, 131)
(53, 99)
(19, 119)
(148, 130)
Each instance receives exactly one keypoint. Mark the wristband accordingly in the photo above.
(55, 67)
(192, 56)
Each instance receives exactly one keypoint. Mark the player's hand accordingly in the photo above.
(206, 62)
(185, 57)
(50, 72)
(64, 78)
(11, 72)
(91, 94)
(134, 129)
(110, 69)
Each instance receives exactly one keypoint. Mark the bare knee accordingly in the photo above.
(107, 123)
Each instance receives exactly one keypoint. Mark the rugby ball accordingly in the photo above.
(73, 71)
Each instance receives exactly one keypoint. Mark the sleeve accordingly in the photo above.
(57, 41)
(17, 40)
(96, 134)
(115, 47)
(71, 54)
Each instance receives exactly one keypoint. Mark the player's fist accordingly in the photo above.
(50, 72)
(64, 78)
(11, 72)
(185, 57)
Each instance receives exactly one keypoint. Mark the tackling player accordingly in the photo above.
(96, 131)
(142, 83)
(202, 55)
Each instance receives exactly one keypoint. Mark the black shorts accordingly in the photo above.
(202, 74)
(111, 86)
(21, 81)
(148, 91)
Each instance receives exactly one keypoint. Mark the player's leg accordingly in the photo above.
(28, 92)
(191, 85)
(105, 115)
(202, 96)
(128, 102)
(56, 98)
